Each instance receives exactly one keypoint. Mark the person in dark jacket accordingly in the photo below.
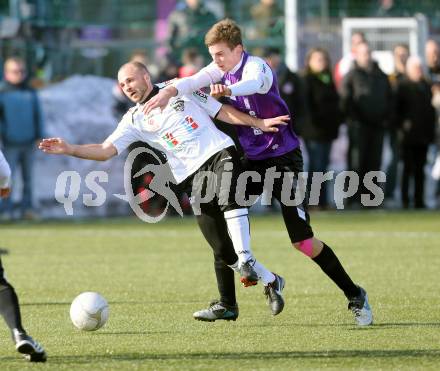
(324, 116)
(400, 56)
(416, 118)
(187, 26)
(21, 126)
(290, 86)
(368, 105)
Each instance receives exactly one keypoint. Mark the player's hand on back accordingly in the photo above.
(219, 90)
(269, 125)
(55, 146)
(160, 100)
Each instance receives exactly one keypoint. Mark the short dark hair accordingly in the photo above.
(270, 51)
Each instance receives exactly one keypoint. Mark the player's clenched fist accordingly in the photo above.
(219, 90)
(55, 146)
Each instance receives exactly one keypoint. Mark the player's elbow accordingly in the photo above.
(106, 156)
(107, 152)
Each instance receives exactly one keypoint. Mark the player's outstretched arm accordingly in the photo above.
(207, 75)
(5, 177)
(97, 152)
(233, 116)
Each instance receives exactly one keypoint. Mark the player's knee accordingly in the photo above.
(305, 246)
(224, 257)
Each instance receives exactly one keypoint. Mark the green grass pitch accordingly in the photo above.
(156, 276)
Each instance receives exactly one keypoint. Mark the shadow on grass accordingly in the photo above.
(68, 303)
(116, 302)
(352, 326)
(433, 354)
(391, 325)
(102, 333)
(44, 304)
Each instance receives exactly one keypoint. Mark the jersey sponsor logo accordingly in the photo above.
(178, 105)
(170, 140)
(201, 96)
(190, 124)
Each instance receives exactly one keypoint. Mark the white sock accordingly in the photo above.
(239, 231)
(265, 275)
(234, 267)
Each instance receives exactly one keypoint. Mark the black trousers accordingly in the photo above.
(365, 152)
(414, 160)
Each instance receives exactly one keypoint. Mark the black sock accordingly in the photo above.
(225, 282)
(332, 267)
(9, 307)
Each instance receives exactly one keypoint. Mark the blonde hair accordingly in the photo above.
(226, 31)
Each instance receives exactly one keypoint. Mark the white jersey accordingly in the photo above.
(183, 131)
(257, 78)
(5, 172)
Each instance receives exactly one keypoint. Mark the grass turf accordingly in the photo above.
(156, 276)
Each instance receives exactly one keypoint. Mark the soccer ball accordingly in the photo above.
(89, 311)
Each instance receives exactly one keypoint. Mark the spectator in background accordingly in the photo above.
(141, 56)
(170, 70)
(368, 105)
(324, 115)
(21, 126)
(267, 19)
(290, 88)
(346, 62)
(187, 27)
(192, 62)
(289, 85)
(432, 55)
(400, 55)
(389, 8)
(416, 118)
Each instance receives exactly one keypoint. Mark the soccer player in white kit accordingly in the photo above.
(185, 133)
(9, 306)
(247, 83)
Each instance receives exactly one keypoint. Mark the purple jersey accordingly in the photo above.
(257, 144)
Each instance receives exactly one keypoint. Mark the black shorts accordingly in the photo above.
(296, 218)
(214, 183)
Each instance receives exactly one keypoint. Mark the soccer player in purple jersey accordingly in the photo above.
(251, 86)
